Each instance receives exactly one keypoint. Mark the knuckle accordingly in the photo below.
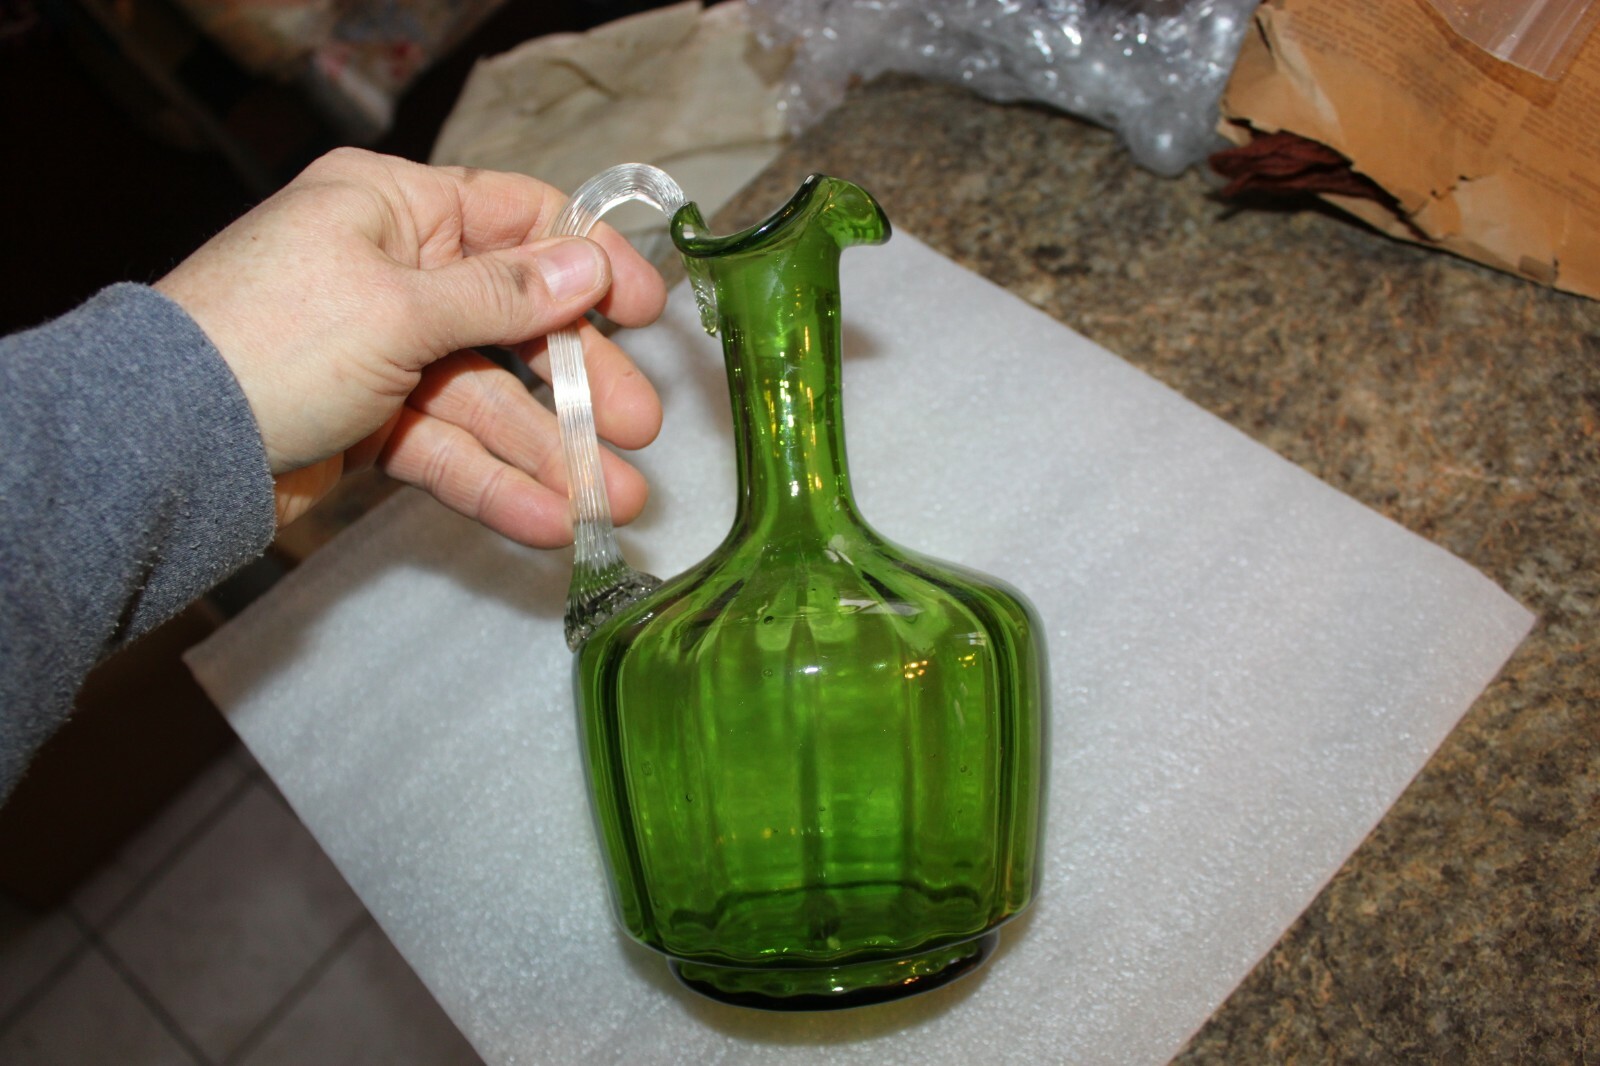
(550, 469)
(437, 467)
(489, 490)
(483, 405)
(508, 287)
(341, 160)
(486, 286)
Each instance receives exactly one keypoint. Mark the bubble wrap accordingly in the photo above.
(1247, 669)
(1153, 70)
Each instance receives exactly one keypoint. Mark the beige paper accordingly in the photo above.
(1483, 159)
(685, 89)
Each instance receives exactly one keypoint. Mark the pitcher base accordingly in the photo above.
(858, 985)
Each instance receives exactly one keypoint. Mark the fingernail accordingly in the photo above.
(570, 269)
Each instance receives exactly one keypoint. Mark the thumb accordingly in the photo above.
(510, 295)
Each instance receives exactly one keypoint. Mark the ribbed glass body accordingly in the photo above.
(817, 759)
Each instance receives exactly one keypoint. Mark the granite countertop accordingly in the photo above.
(1460, 402)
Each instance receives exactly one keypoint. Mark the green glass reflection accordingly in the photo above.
(816, 758)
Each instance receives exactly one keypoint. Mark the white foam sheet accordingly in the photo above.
(1247, 669)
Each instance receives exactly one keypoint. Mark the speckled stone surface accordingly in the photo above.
(1464, 404)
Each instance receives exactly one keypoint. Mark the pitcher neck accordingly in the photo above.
(781, 344)
(772, 291)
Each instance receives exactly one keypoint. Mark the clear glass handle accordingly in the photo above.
(602, 582)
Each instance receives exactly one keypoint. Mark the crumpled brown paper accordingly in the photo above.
(1477, 156)
(685, 89)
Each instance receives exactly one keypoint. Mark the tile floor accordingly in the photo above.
(220, 935)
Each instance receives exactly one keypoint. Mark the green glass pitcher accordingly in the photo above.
(817, 760)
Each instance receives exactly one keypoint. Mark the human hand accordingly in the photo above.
(345, 303)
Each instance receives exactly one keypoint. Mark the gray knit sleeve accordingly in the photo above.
(132, 479)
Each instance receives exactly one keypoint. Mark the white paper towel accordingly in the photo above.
(1247, 669)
